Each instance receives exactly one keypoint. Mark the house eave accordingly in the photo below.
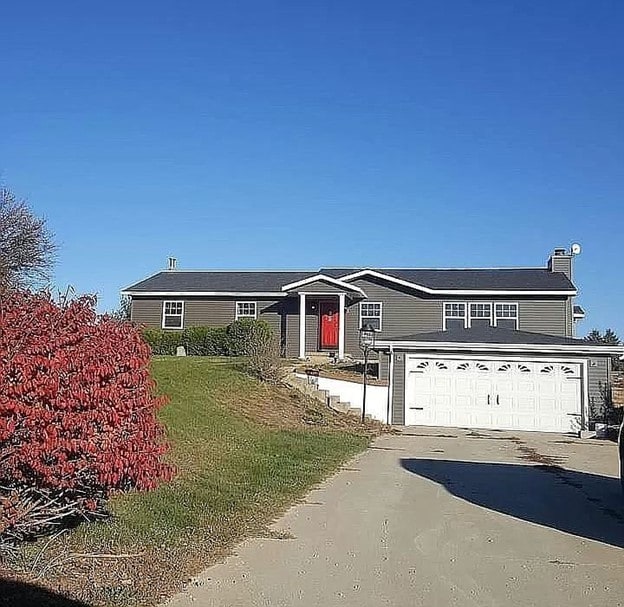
(323, 278)
(489, 347)
(204, 293)
(429, 290)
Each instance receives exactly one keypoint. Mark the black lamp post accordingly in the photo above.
(367, 343)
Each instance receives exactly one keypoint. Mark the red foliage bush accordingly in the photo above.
(77, 403)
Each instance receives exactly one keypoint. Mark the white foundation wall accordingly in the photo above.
(351, 392)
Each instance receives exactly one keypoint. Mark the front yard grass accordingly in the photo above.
(244, 452)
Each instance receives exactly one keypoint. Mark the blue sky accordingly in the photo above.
(289, 134)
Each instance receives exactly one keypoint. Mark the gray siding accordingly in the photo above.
(398, 390)
(548, 316)
(403, 313)
(281, 314)
(384, 366)
(320, 287)
(312, 326)
(202, 311)
(561, 263)
(598, 380)
(147, 312)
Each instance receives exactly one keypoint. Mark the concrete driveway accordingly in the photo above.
(440, 517)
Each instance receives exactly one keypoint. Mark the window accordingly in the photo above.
(173, 315)
(454, 315)
(370, 314)
(246, 309)
(480, 314)
(506, 315)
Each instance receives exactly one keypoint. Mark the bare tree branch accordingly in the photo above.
(27, 249)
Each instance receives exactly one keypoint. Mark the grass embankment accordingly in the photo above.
(244, 452)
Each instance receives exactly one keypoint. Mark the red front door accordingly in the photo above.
(330, 320)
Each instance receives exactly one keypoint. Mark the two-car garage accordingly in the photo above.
(499, 393)
(496, 378)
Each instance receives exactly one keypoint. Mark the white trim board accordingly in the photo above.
(481, 347)
(203, 294)
(413, 285)
(322, 278)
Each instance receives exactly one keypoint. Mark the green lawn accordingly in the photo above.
(244, 452)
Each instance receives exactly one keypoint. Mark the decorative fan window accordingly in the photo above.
(463, 367)
(547, 369)
(523, 369)
(505, 367)
(422, 366)
(567, 370)
(482, 367)
(440, 365)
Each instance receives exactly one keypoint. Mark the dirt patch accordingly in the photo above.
(282, 407)
(352, 373)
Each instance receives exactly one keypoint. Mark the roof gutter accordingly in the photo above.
(203, 293)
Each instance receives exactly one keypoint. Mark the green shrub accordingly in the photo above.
(206, 341)
(162, 342)
(242, 332)
(236, 339)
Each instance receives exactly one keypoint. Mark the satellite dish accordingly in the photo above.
(576, 248)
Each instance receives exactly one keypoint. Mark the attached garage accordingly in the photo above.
(495, 378)
(498, 393)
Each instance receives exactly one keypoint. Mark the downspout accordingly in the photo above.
(390, 385)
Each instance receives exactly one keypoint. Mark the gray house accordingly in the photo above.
(490, 348)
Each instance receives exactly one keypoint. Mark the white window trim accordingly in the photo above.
(493, 317)
(444, 317)
(469, 313)
(509, 303)
(380, 304)
(164, 305)
(238, 316)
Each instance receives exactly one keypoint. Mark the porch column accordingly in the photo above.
(341, 325)
(302, 325)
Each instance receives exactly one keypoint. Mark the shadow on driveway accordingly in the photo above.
(21, 594)
(586, 505)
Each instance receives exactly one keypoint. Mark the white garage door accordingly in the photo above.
(499, 394)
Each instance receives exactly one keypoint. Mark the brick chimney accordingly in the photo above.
(561, 261)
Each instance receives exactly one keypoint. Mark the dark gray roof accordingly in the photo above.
(520, 279)
(227, 282)
(491, 335)
(579, 310)
(499, 279)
